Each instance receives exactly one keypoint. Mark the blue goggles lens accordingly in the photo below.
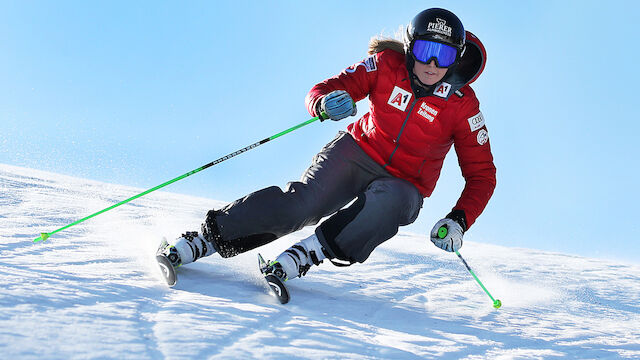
(425, 50)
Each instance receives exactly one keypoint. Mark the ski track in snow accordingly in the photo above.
(94, 291)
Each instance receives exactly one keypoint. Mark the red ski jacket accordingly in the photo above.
(409, 129)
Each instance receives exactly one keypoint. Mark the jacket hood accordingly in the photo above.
(471, 63)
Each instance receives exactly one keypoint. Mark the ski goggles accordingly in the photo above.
(425, 50)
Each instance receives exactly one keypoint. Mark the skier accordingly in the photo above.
(388, 160)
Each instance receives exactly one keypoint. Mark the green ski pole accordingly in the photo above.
(442, 233)
(44, 236)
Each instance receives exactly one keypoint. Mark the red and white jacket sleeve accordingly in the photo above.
(357, 80)
(471, 142)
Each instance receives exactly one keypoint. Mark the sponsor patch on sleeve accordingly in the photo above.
(483, 137)
(370, 64)
(476, 122)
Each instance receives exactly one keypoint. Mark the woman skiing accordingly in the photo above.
(388, 160)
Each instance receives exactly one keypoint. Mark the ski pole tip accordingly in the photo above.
(42, 237)
(497, 304)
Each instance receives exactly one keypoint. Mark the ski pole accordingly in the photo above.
(44, 236)
(442, 233)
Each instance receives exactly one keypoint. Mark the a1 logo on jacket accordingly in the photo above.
(442, 90)
(399, 98)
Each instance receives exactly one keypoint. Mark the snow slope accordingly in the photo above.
(93, 291)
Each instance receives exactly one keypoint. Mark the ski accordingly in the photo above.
(278, 289)
(167, 270)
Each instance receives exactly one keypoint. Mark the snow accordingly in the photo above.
(94, 291)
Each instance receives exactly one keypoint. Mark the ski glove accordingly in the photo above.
(447, 233)
(337, 105)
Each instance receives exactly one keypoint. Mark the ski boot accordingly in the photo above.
(275, 278)
(294, 262)
(187, 249)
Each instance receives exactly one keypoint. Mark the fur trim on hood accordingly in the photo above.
(378, 44)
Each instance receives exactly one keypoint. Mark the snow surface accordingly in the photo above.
(94, 291)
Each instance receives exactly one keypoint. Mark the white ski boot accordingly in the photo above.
(298, 259)
(186, 249)
(292, 263)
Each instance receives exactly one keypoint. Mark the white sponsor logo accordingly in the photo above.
(442, 90)
(399, 98)
(483, 137)
(428, 112)
(369, 64)
(476, 122)
(440, 26)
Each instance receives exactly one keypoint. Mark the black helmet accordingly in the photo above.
(437, 25)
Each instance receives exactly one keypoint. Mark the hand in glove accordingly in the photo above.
(337, 105)
(447, 233)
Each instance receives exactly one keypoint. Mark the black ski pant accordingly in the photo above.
(340, 173)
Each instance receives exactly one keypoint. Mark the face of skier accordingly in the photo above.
(429, 74)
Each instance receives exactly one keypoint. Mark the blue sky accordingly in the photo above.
(137, 93)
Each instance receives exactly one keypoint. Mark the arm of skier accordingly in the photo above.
(471, 142)
(356, 80)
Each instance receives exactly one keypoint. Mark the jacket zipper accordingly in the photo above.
(400, 133)
(421, 167)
